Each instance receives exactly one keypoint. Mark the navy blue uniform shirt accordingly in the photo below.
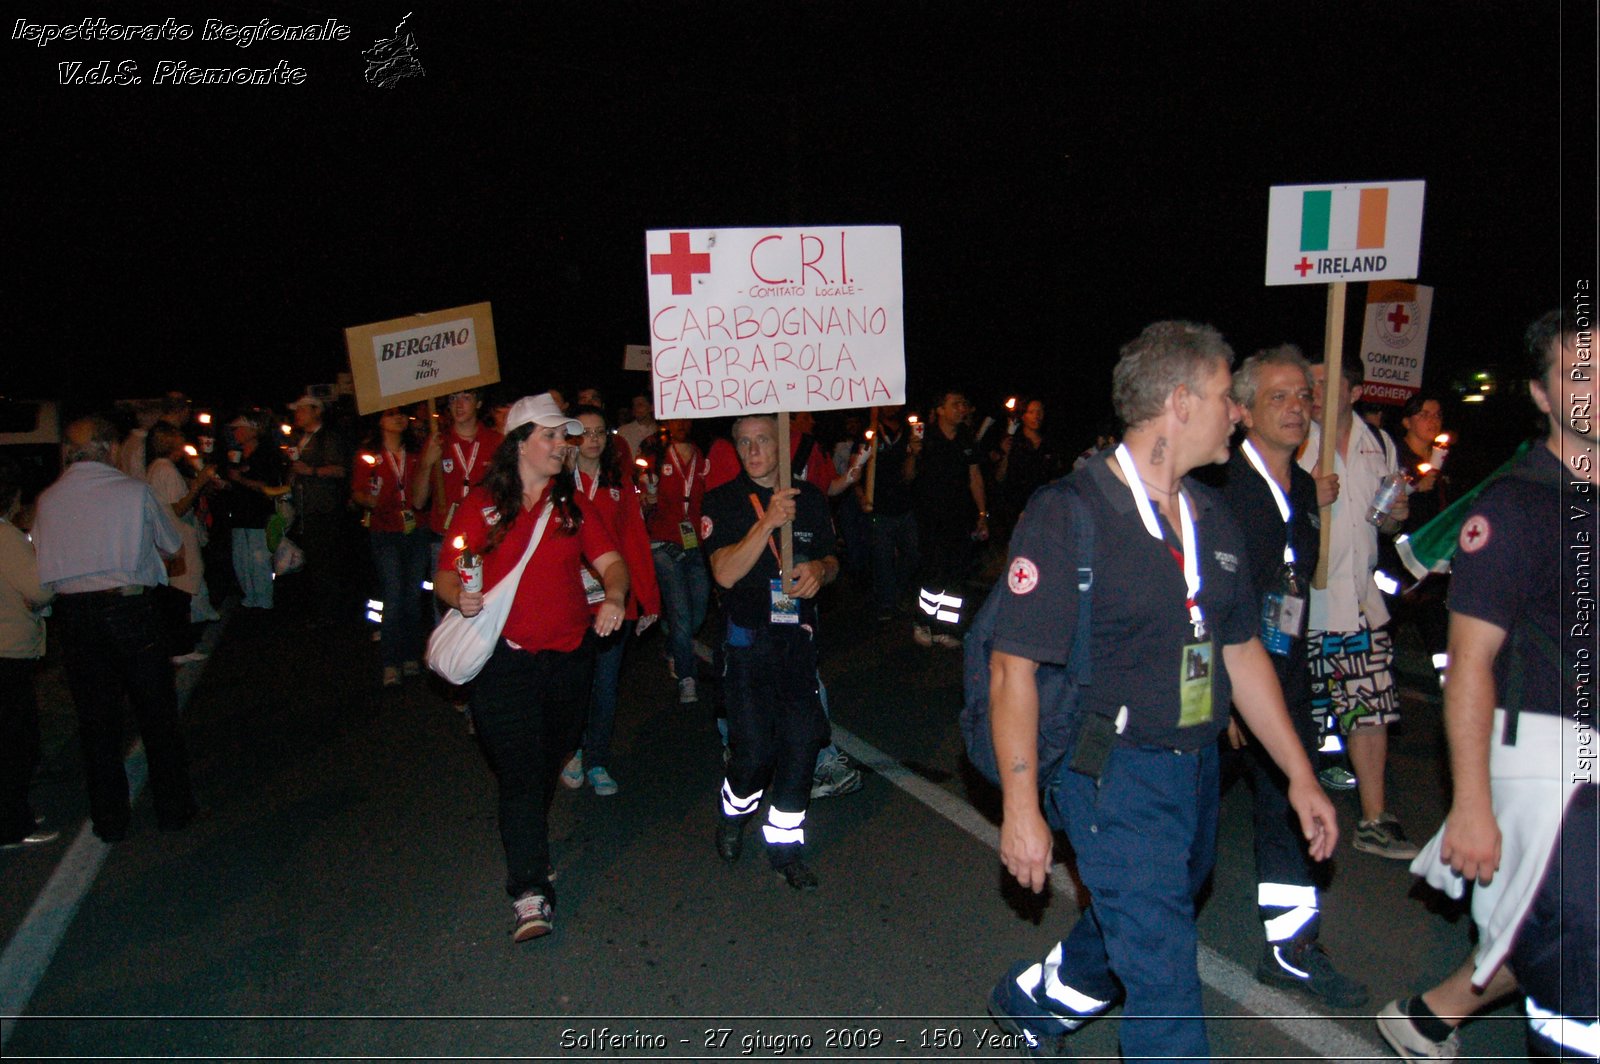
(726, 515)
(1141, 622)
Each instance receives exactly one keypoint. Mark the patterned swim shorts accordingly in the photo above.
(1352, 679)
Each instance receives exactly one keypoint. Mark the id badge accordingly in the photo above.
(1194, 683)
(1292, 616)
(593, 591)
(785, 607)
(686, 532)
(408, 521)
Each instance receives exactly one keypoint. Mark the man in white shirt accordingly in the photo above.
(1350, 652)
(101, 536)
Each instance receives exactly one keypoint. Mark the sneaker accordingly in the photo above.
(572, 774)
(602, 782)
(391, 676)
(1036, 1032)
(949, 642)
(535, 917)
(410, 668)
(1337, 778)
(1307, 966)
(798, 876)
(686, 691)
(1397, 1028)
(921, 635)
(835, 776)
(1384, 837)
(37, 838)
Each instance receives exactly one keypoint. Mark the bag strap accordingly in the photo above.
(515, 574)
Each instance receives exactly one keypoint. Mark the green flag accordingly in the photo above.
(1430, 548)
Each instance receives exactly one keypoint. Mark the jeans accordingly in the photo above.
(685, 593)
(528, 710)
(1145, 835)
(894, 557)
(19, 745)
(603, 695)
(111, 646)
(252, 565)
(402, 564)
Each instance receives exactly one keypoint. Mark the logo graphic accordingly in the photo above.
(449, 464)
(680, 263)
(705, 526)
(1475, 534)
(390, 59)
(616, 495)
(1023, 576)
(1396, 323)
(491, 516)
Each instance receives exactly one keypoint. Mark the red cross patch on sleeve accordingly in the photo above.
(1022, 577)
(705, 526)
(1474, 534)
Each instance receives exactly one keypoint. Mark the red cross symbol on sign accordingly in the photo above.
(1304, 266)
(681, 264)
(1398, 317)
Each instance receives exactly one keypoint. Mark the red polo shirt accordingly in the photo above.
(549, 610)
(462, 465)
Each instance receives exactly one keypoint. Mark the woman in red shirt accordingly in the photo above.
(678, 474)
(379, 480)
(602, 479)
(528, 702)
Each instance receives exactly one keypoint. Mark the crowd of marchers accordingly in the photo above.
(1229, 540)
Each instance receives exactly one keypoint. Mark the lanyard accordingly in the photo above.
(687, 475)
(760, 513)
(466, 465)
(399, 475)
(1190, 558)
(1277, 497)
(594, 484)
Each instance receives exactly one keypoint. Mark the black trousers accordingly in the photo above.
(19, 745)
(113, 649)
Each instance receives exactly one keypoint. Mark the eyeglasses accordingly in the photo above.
(593, 434)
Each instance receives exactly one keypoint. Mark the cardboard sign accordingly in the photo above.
(636, 357)
(406, 360)
(768, 320)
(1317, 234)
(1393, 340)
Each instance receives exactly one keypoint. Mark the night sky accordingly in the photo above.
(1063, 172)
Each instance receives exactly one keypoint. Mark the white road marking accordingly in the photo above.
(1317, 1031)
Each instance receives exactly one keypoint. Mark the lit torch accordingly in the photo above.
(1441, 450)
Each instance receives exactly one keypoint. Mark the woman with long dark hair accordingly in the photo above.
(600, 478)
(380, 480)
(528, 702)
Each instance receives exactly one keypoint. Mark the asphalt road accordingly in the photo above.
(342, 896)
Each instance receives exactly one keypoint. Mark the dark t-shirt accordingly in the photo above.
(727, 515)
(1140, 621)
(1507, 571)
(891, 491)
(942, 485)
(1261, 527)
(250, 508)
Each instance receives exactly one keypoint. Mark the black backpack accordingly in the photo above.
(1059, 685)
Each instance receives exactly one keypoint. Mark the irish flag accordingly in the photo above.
(1343, 219)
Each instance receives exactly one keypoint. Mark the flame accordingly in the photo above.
(189, 450)
(287, 429)
(1442, 440)
(370, 459)
(459, 543)
(1011, 404)
(642, 463)
(869, 435)
(1423, 469)
(912, 419)
(204, 419)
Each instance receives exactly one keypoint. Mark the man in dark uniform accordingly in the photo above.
(893, 523)
(1522, 817)
(321, 467)
(951, 513)
(1172, 639)
(1274, 503)
(775, 719)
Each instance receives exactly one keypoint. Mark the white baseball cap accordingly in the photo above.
(542, 410)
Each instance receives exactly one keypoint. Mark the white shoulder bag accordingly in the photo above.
(460, 646)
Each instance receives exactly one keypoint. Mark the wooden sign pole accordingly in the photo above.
(1332, 382)
(872, 456)
(786, 536)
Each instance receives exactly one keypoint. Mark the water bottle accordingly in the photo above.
(1394, 485)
